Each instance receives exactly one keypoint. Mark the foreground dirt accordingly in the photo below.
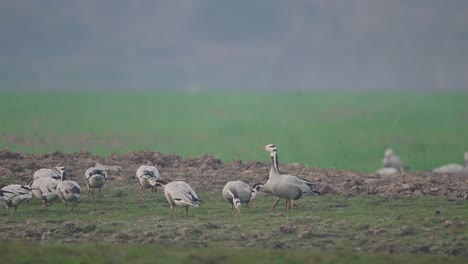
(208, 173)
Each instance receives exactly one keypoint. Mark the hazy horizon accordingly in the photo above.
(207, 44)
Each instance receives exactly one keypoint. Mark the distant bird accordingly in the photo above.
(390, 160)
(95, 177)
(146, 173)
(454, 168)
(288, 187)
(388, 171)
(58, 173)
(178, 193)
(238, 192)
(45, 189)
(69, 191)
(14, 195)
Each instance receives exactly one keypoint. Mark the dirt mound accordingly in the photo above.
(207, 173)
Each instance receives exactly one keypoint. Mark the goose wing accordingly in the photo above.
(305, 185)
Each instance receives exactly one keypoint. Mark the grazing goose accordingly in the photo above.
(58, 173)
(390, 160)
(95, 177)
(178, 193)
(454, 168)
(69, 191)
(144, 174)
(287, 187)
(237, 192)
(14, 195)
(45, 189)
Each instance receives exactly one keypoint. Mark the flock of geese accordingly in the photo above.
(50, 184)
(392, 165)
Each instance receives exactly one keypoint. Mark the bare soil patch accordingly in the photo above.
(208, 172)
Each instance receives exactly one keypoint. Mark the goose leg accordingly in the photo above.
(171, 211)
(274, 205)
(73, 207)
(250, 203)
(291, 204)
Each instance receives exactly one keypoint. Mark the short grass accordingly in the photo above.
(117, 226)
(348, 130)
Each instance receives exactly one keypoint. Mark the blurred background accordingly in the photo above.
(245, 44)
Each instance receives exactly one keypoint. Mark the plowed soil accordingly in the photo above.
(208, 173)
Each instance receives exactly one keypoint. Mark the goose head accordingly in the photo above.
(256, 188)
(270, 148)
(236, 202)
(61, 169)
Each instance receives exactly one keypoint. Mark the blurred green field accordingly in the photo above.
(348, 130)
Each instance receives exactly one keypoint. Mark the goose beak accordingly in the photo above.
(263, 148)
(238, 210)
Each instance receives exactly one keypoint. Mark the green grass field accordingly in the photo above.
(348, 130)
(116, 227)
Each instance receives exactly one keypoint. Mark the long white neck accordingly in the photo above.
(274, 165)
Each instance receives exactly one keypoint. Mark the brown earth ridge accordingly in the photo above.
(208, 173)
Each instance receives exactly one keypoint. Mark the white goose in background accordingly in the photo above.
(454, 168)
(288, 187)
(14, 195)
(57, 172)
(95, 177)
(45, 189)
(390, 160)
(238, 192)
(146, 173)
(69, 191)
(178, 193)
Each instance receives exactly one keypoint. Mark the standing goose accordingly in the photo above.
(288, 187)
(45, 189)
(237, 192)
(57, 172)
(454, 168)
(390, 160)
(69, 191)
(178, 193)
(95, 177)
(14, 195)
(146, 173)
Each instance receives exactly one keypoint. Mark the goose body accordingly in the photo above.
(287, 187)
(58, 173)
(390, 160)
(179, 193)
(454, 168)
(45, 189)
(95, 178)
(238, 192)
(14, 195)
(69, 191)
(146, 175)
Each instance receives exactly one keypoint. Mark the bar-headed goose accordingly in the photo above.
(238, 192)
(146, 173)
(288, 187)
(95, 177)
(178, 193)
(45, 189)
(57, 172)
(14, 195)
(69, 191)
